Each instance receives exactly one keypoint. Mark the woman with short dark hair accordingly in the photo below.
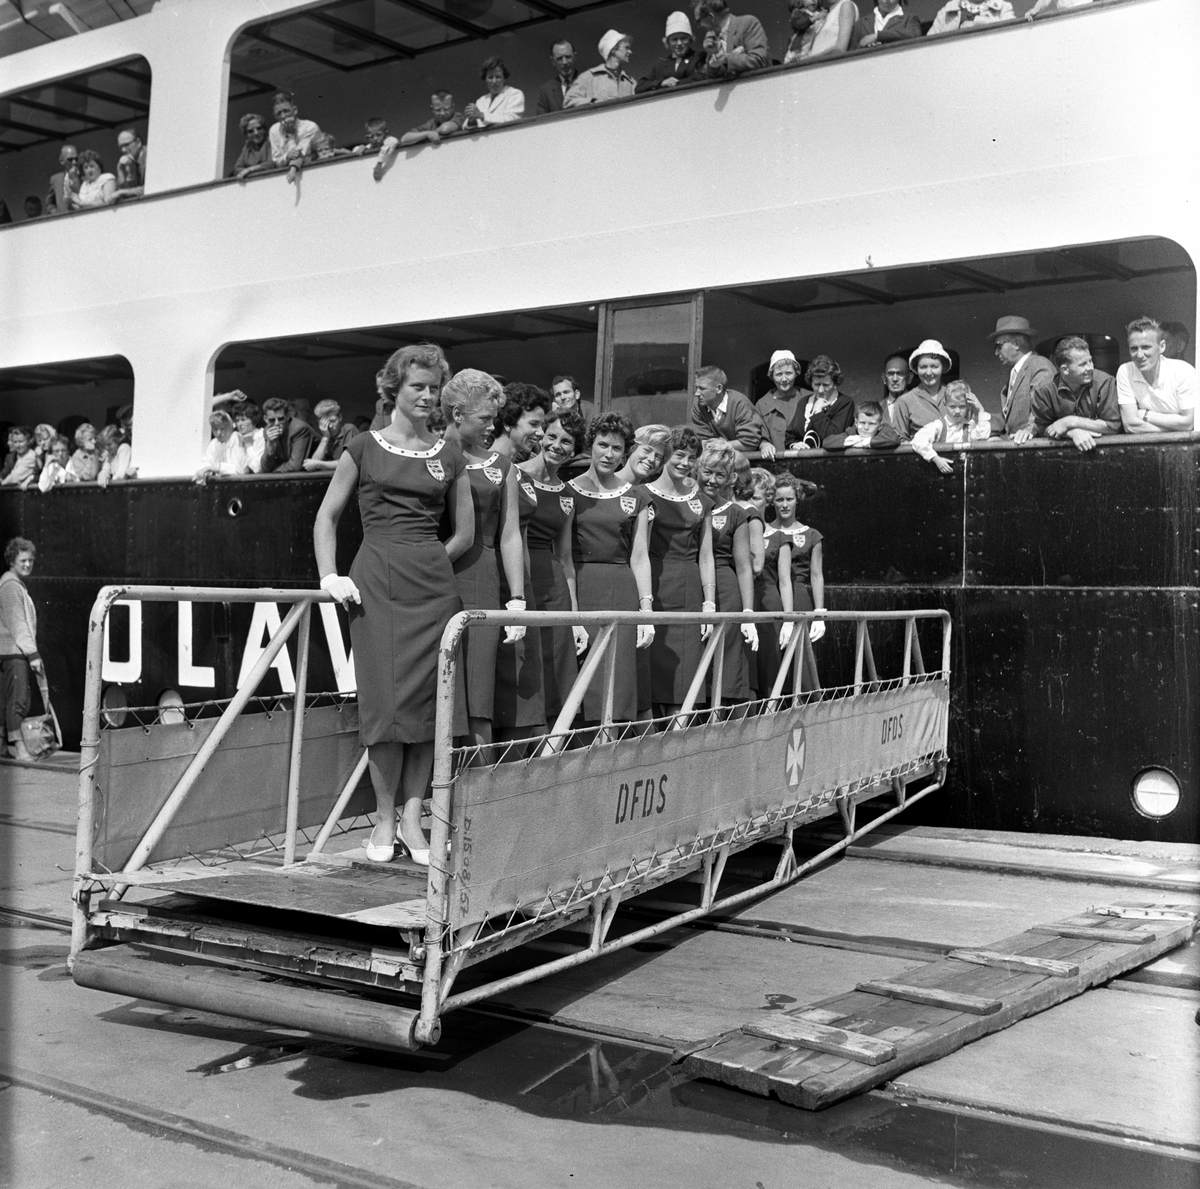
(501, 104)
(612, 563)
(18, 641)
(827, 412)
(97, 187)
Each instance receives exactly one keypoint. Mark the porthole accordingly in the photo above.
(234, 507)
(1155, 793)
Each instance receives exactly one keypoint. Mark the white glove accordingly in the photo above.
(708, 607)
(645, 635)
(816, 630)
(750, 635)
(785, 633)
(581, 640)
(343, 590)
(514, 634)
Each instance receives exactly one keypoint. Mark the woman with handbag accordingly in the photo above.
(18, 641)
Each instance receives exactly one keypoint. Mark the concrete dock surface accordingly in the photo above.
(572, 1080)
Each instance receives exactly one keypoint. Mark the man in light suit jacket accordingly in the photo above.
(734, 45)
(1013, 340)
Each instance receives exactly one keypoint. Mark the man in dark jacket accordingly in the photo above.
(551, 95)
(1013, 341)
(888, 24)
(289, 440)
(720, 412)
(683, 63)
(825, 413)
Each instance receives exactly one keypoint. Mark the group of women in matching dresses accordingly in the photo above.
(480, 518)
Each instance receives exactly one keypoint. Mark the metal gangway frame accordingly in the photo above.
(482, 894)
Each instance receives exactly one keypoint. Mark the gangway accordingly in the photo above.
(220, 862)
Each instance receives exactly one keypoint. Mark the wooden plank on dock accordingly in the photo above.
(933, 997)
(1050, 966)
(934, 1009)
(854, 1046)
(1120, 936)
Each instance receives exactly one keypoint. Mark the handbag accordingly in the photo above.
(41, 733)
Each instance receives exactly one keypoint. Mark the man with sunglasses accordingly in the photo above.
(289, 440)
(65, 183)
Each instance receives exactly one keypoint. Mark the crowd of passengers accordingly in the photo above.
(1065, 398)
(718, 45)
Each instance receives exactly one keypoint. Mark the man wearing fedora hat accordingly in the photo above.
(1013, 341)
(604, 83)
(683, 63)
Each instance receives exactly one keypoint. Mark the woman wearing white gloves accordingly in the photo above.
(800, 562)
(551, 570)
(735, 572)
(610, 537)
(401, 591)
(470, 403)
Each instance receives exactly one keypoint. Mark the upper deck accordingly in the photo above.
(1081, 132)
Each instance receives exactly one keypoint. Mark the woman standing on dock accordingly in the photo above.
(681, 569)
(401, 590)
(551, 568)
(470, 402)
(612, 565)
(731, 553)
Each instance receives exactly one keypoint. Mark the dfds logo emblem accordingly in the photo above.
(795, 756)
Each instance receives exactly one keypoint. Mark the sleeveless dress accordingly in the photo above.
(602, 541)
(519, 698)
(768, 598)
(803, 540)
(478, 575)
(406, 583)
(555, 505)
(675, 536)
(726, 520)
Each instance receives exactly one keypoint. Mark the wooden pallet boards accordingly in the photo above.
(806, 1056)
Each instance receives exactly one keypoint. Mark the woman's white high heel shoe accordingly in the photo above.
(419, 855)
(380, 854)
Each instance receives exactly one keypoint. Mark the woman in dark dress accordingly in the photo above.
(470, 402)
(551, 567)
(520, 699)
(801, 562)
(612, 565)
(401, 590)
(731, 553)
(681, 569)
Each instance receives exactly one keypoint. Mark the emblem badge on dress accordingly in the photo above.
(528, 489)
(696, 506)
(567, 504)
(494, 474)
(628, 504)
(435, 468)
(719, 521)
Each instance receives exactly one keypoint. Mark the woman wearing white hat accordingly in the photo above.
(930, 363)
(609, 81)
(778, 407)
(683, 63)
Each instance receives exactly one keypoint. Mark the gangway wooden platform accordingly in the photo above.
(226, 837)
(815, 1055)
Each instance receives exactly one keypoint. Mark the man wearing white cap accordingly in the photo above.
(778, 407)
(603, 84)
(683, 62)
